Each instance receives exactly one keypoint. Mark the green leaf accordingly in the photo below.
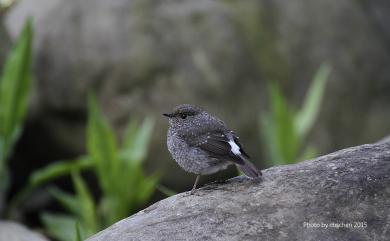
(58, 169)
(81, 234)
(306, 117)
(2, 152)
(123, 198)
(136, 140)
(309, 153)
(47, 174)
(286, 138)
(108, 208)
(68, 201)
(60, 226)
(87, 204)
(102, 146)
(146, 189)
(166, 191)
(131, 189)
(14, 89)
(78, 232)
(269, 137)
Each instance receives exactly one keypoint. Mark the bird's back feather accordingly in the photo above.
(225, 147)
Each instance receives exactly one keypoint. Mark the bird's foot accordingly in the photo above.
(190, 193)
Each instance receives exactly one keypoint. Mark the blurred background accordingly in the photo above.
(294, 79)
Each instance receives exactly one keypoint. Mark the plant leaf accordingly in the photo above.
(47, 174)
(287, 141)
(59, 226)
(136, 140)
(102, 146)
(146, 189)
(306, 117)
(87, 204)
(58, 169)
(270, 140)
(68, 201)
(309, 153)
(165, 190)
(78, 232)
(14, 89)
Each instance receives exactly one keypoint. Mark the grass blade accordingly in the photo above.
(270, 140)
(67, 200)
(78, 232)
(137, 139)
(58, 169)
(166, 191)
(14, 89)
(306, 117)
(59, 226)
(102, 146)
(45, 175)
(283, 126)
(87, 208)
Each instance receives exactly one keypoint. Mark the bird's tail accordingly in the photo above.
(249, 169)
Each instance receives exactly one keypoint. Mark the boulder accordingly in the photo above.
(11, 231)
(340, 196)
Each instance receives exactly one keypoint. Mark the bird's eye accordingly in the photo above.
(183, 116)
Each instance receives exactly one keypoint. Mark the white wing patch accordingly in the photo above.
(235, 148)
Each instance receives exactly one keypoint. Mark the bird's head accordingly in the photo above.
(183, 114)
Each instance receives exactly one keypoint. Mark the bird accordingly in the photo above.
(202, 144)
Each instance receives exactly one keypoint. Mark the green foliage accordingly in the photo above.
(305, 118)
(82, 208)
(14, 89)
(166, 191)
(45, 175)
(86, 212)
(58, 169)
(102, 146)
(82, 222)
(284, 130)
(79, 236)
(59, 226)
(119, 171)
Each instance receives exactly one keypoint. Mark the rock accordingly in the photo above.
(348, 190)
(11, 231)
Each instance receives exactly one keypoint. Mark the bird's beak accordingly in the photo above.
(169, 115)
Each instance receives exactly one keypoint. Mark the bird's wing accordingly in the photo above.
(225, 147)
(219, 145)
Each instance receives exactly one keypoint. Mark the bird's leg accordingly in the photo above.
(196, 182)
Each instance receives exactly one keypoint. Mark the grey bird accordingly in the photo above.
(202, 144)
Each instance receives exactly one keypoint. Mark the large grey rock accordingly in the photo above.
(11, 231)
(350, 187)
(145, 56)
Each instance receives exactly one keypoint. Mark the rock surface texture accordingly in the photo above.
(350, 187)
(10, 231)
